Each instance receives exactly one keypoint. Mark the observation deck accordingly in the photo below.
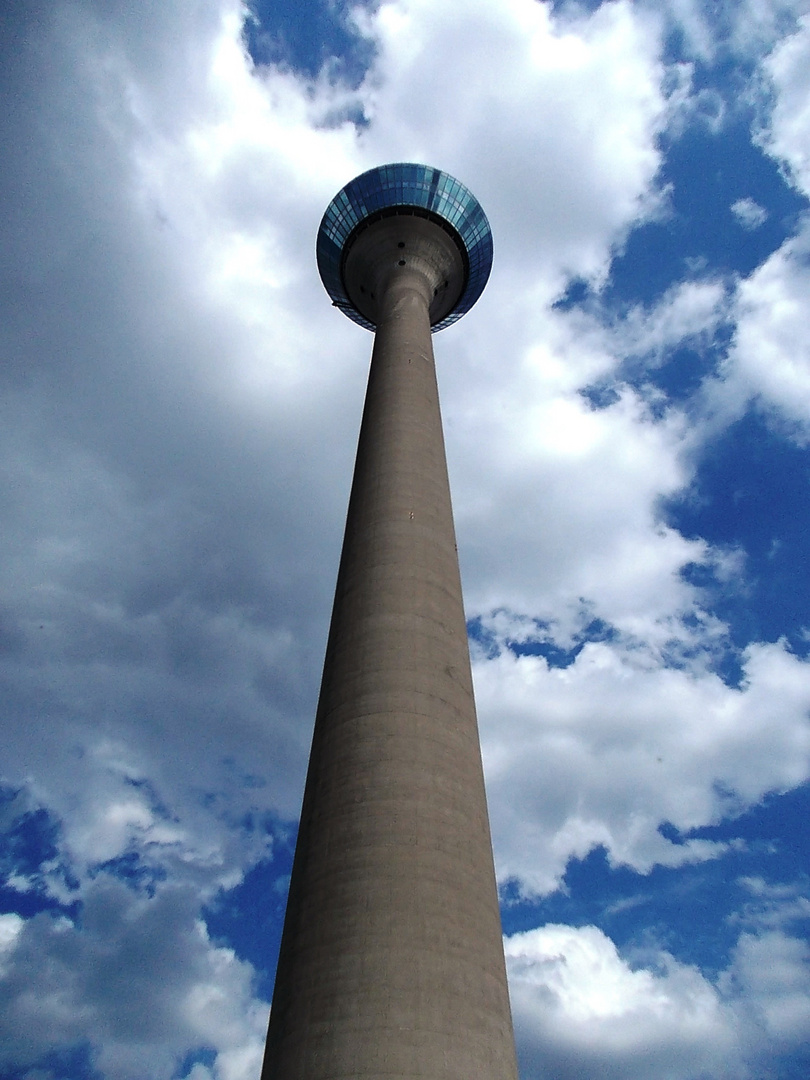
(404, 215)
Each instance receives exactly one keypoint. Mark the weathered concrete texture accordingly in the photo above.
(391, 961)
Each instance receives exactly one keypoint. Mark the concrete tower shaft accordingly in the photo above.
(391, 962)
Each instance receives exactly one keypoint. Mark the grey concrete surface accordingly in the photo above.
(391, 961)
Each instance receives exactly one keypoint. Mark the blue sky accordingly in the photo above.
(627, 415)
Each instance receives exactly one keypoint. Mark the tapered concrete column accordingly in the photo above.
(391, 961)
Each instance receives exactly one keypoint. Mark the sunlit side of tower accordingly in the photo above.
(391, 962)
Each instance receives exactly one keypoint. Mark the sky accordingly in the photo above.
(627, 416)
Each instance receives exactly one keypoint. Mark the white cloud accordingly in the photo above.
(572, 493)
(770, 356)
(10, 927)
(788, 137)
(749, 213)
(580, 1009)
(769, 359)
(602, 752)
(745, 28)
(770, 972)
(140, 978)
(688, 313)
(757, 25)
(560, 145)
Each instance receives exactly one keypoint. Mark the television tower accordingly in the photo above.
(391, 963)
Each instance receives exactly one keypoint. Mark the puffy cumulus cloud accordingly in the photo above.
(768, 976)
(156, 635)
(138, 976)
(769, 360)
(10, 927)
(605, 750)
(749, 213)
(581, 1010)
(573, 490)
(136, 679)
(769, 357)
(560, 143)
(165, 589)
(788, 133)
(572, 493)
(770, 973)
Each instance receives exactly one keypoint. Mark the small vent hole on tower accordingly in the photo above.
(401, 244)
(401, 262)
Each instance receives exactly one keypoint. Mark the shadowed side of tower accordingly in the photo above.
(391, 961)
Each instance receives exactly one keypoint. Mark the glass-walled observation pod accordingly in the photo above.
(423, 191)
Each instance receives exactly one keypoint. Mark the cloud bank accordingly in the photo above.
(179, 413)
